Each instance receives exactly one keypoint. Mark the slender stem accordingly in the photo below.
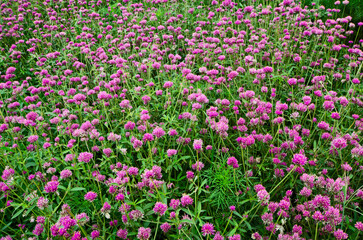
(157, 227)
(229, 219)
(234, 177)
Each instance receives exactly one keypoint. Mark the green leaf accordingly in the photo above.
(30, 164)
(187, 221)
(29, 210)
(232, 232)
(77, 189)
(18, 213)
(6, 226)
(206, 218)
(141, 201)
(249, 226)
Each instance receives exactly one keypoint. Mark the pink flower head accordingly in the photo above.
(233, 74)
(299, 159)
(335, 116)
(292, 81)
(359, 226)
(90, 196)
(146, 99)
(339, 234)
(198, 144)
(171, 152)
(10, 70)
(165, 227)
(51, 186)
(125, 104)
(85, 157)
(42, 203)
(263, 196)
(7, 173)
(33, 138)
(148, 137)
(208, 229)
(158, 132)
(66, 173)
(143, 233)
(172, 132)
(95, 234)
(198, 166)
(122, 233)
(190, 175)
(168, 84)
(346, 167)
(160, 208)
(339, 143)
(174, 203)
(232, 161)
(104, 96)
(186, 200)
(107, 152)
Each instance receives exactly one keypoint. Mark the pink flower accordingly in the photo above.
(232, 161)
(208, 229)
(10, 70)
(65, 173)
(51, 186)
(335, 116)
(198, 144)
(172, 132)
(125, 104)
(146, 99)
(95, 234)
(168, 84)
(122, 233)
(186, 200)
(339, 235)
(33, 138)
(165, 227)
(292, 81)
(160, 208)
(107, 152)
(198, 166)
(85, 157)
(104, 96)
(90, 196)
(346, 167)
(263, 196)
(174, 203)
(158, 132)
(143, 233)
(42, 203)
(38, 229)
(359, 226)
(339, 143)
(171, 152)
(299, 159)
(190, 175)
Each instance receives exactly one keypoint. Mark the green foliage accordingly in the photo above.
(353, 9)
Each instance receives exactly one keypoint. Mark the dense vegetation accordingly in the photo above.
(168, 119)
(353, 8)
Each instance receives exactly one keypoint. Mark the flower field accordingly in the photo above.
(180, 119)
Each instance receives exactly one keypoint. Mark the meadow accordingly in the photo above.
(180, 119)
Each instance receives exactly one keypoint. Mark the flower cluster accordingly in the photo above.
(168, 119)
